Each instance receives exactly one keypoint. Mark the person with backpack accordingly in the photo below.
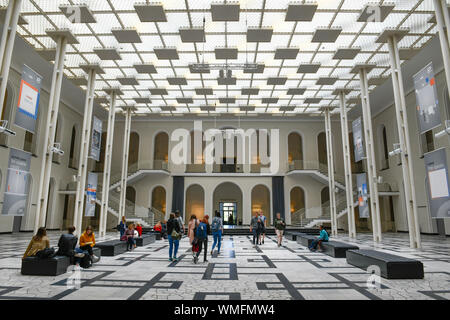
(87, 242)
(217, 230)
(180, 221)
(174, 236)
(201, 239)
(280, 225)
(38, 244)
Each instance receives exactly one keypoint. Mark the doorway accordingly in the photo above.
(228, 211)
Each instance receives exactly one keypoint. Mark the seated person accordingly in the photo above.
(139, 229)
(38, 243)
(323, 237)
(66, 245)
(158, 227)
(87, 242)
(129, 234)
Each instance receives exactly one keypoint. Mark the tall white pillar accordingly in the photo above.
(347, 164)
(113, 93)
(62, 39)
(405, 145)
(330, 157)
(443, 25)
(92, 71)
(370, 150)
(7, 45)
(126, 147)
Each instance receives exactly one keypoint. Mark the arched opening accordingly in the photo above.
(195, 202)
(100, 165)
(6, 112)
(322, 149)
(261, 201)
(197, 155)
(130, 196)
(295, 151)
(325, 200)
(161, 151)
(133, 152)
(297, 205)
(227, 199)
(159, 203)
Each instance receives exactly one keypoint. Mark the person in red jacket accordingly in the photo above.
(139, 229)
(158, 227)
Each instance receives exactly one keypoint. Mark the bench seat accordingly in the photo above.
(337, 249)
(291, 235)
(391, 266)
(45, 267)
(145, 239)
(305, 239)
(112, 247)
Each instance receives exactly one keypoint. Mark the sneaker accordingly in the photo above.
(79, 255)
(218, 252)
(175, 259)
(170, 259)
(95, 259)
(212, 252)
(204, 261)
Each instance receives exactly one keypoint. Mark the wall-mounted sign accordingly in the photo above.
(438, 190)
(15, 201)
(427, 110)
(96, 138)
(358, 141)
(29, 95)
(91, 195)
(363, 195)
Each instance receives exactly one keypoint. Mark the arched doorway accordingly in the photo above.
(261, 201)
(159, 203)
(227, 199)
(297, 205)
(295, 150)
(195, 202)
(325, 200)
(161, 151)
(133, 152)
(322, 149)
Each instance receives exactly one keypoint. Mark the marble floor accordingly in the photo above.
(241, 271)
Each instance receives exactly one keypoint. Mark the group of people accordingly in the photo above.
(258, 228)
(129, 233)
(39, 246)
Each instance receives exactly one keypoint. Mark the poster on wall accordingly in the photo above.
(96, 139)
(358, 141)
(363, 195)
(437, 183)
(28, 103)
(427, 109)
(15, 201)
(91, 194)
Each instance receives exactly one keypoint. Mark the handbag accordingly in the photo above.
(175, 235)
(123, 238)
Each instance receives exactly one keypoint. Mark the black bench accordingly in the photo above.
(55, 266)
(145, 239)
(292, 235)
(305, 239)
(336, 249)
(391, 266)
(112, 247)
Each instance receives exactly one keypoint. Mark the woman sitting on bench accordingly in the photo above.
(323, 237)
(38, 243)
(87, 242)
(131, 241)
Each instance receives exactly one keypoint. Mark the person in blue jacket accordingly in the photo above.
(122, 226)
(323, 237)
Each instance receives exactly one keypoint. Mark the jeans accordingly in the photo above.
(217, 235)
(172, 241)
(87, 248)
(315, 243)
(256, 234)
(130, 243)
(203, 245)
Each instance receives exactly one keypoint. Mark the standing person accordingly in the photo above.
(180, 221)
(201, 235)
(67, 244)
(191, 227)
(129, 233)
(174, 235)
(217, 230)
(280, 225)
(323, 237)
(38, 243)
(122, 226)
(263, 219)
(254, 228)
(87, 242)
(259, 229)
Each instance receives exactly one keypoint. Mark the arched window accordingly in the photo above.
(295, 150)
(161, 151)
(133, 151)
(322, 149)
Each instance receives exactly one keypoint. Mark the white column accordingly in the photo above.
(347, 167)
(443, 25)
(84, 150)
(126, 147)
(370, 154)
(7, 45)
(405, 145)
(113, 93)
(332, 185)
(50, 131)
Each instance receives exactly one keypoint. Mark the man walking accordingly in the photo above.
(280, 225)
(263, 219)
(254, 228)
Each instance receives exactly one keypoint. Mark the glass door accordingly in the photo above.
(228, 211)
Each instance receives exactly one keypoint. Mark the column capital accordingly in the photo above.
(112, 90)
(129, 108)
(363, 66)
(67, 34)
(327, 108)
(338, 91)
(387, 33)
(92, 67)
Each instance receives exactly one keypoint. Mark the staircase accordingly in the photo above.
(317, 171)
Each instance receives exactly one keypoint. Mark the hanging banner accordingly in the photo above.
(358, 142)
(91, 195)
(363, 195)
(15, 201)
(438, 190)
(28, 105)
(96, 139)
(427, 110)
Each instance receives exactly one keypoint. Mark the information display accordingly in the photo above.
(28, 103)
(15, 201)
(96, 139)
(358, 141)
(361, 183)
(427, 110)
(91, 194)
(438, 191)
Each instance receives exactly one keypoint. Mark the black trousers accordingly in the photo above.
(203, 245)
(87, 248)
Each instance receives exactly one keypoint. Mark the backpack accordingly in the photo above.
(200, 232)
(86, 261)
(215, 225)
(46, 253)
